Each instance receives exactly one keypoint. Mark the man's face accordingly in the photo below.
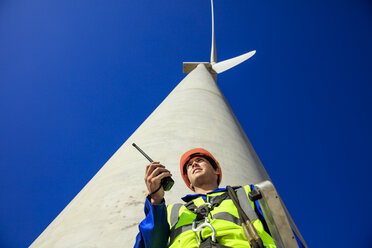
(200, 171)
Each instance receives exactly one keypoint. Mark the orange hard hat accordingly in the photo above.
(198, 152)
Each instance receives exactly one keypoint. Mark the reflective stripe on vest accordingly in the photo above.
(174, 214)
(245, 204)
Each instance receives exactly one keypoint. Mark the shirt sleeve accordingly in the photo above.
(154, 229)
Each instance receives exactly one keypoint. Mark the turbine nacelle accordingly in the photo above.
(219, 67)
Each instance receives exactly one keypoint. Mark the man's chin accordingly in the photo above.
(198, 179)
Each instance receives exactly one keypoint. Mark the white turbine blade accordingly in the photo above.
(213, 49)
(230, 63)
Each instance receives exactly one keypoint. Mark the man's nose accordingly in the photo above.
(194, 163)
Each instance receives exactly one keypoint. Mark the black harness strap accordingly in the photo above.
(215, 201)
(252, 236)
(202, 212)
(208, 243)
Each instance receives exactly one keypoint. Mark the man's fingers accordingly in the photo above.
(162, 175)
(151, 167)
(154, 173)
(158, 171)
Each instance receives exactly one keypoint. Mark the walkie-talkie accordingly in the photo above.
(166, 182)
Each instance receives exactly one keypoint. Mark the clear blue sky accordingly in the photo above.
(78, 77)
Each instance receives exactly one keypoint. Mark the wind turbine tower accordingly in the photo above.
(107, 211)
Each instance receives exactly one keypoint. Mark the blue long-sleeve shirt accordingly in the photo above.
(154, 229)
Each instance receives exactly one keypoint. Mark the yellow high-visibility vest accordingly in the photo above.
(224, 218)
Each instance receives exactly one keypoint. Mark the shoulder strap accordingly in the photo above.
(190, 206)
(246, 204)
(243, 200)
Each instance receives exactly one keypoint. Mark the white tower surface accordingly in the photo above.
(107, 211)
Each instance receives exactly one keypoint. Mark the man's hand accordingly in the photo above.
(153, 175)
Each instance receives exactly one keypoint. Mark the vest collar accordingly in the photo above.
(190, 197)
